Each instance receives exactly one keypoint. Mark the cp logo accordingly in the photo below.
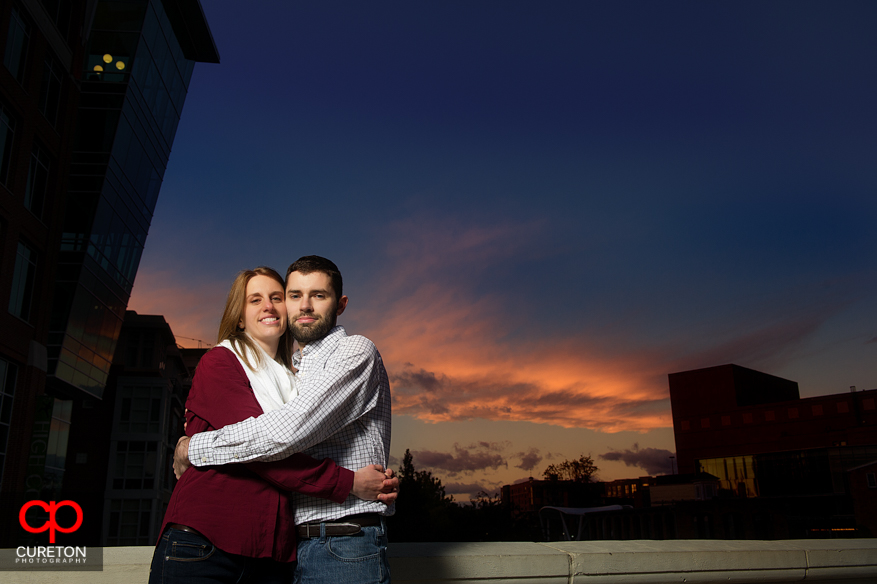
(52, 525)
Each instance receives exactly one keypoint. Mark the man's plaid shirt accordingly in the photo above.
(342, 412)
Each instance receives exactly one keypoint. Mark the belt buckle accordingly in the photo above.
(349, 527)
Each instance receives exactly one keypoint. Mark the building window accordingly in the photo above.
(140, 350)
(56, 450)
(140, 410)
(817, 410)
(793, 413)
(769, 416)
(8, 373)
(135, 464)
(21, 296)
(51, 90)
(843, 407)
(704, 422)
(685, 425)
(16, 45)
(129, 522)
(59, 11)
(37, 181)
(872, 480)
(7, 133)
(747, 418)
(726, 420)
(868, 403)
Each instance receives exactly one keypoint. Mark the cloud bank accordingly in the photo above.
(655, 461)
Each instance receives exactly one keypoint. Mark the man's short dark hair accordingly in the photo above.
(312, 263)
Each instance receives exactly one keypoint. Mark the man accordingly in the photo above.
(342, 412)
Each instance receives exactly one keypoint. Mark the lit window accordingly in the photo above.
(843, 407)
(726, 420)
(817, 410)
(793, 413)
(769, 416)
(685, 425)
(704, 422)
(747, 418)
(868, 403)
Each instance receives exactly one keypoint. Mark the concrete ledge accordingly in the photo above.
(640, 562)
(589, 562)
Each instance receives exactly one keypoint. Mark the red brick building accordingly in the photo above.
(754, 432)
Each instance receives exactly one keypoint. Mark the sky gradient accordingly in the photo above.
(540, 209)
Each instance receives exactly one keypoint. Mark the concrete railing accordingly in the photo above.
(591, 562)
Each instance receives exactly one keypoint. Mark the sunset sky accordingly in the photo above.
(540, 208)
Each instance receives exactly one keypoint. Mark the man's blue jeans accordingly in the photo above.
(182, 558)
(344, 559)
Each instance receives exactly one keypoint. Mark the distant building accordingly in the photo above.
(863, 489)
(669, 489)
(754, 432)
(633, 492)
(530, 496)
(90, 97)
(121, 451)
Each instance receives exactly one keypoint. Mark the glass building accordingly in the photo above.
(91, 94)
(139, 60)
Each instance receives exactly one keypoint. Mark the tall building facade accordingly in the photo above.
(754, 432)
(91, 93)
(121, 448)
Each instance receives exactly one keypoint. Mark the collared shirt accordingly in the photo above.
(208, 499)
(342, 412)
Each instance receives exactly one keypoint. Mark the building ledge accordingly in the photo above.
(643, 562)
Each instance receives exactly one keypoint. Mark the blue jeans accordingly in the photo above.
(182, 557)
(344, 559)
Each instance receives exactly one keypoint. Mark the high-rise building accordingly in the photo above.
(119, 467)
(91, 93)
(754, 432)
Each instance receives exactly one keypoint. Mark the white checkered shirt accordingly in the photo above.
(342, 412)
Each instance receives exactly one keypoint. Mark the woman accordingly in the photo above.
(235, 523)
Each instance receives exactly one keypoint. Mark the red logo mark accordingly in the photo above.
(52, 525)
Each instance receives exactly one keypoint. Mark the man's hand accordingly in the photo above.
(181, 457)
(371, 483)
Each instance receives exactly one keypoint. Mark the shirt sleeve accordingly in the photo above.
(329, 399)
(221, 395)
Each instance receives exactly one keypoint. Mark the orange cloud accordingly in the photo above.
(452, 353)
(455, 349)
(192, 308)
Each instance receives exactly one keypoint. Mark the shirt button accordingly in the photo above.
(203, 459)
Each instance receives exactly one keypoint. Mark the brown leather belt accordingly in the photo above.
(349, 525)
(185, 528)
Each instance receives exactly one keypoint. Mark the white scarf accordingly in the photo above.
(272, 383)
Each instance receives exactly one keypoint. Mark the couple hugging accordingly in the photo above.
(266, 492)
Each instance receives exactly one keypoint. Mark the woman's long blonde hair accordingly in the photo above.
(234, 312)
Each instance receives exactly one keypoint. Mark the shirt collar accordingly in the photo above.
(314, 347)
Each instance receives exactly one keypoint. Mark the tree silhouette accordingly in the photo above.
(580, 470)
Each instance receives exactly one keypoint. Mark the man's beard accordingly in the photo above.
(313, 331)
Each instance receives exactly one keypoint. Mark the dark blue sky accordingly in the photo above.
(541, 209)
